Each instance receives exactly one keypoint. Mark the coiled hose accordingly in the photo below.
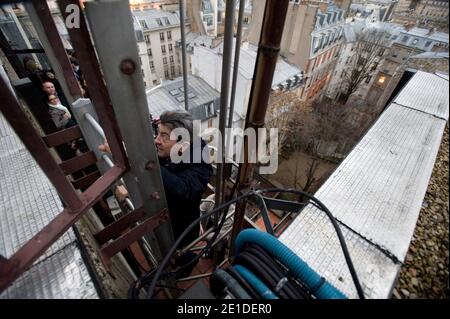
(316, 284)
(262, 289)
(222, 277)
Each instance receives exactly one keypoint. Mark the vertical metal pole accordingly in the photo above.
(118, 55)
(224, 92)
(183, 53)
(237, 51)
(41, 17)
(266, 60)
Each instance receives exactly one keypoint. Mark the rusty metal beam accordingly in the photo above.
(19, 121)
(63, 136)
(21, 260)
(116, 228)
(78, 162)
(87, 180)
(266, 60)
(81, 41)
(45, 17)
(133, 235)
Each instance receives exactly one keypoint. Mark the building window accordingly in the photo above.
(209, 109)
(163, 49)
(170, 47)
(159, 22)
(172, 70)
(374, 66)
(404, 39)
(427, 44)
(166, 20)
(152, 66)
(164, 60)
(415, 41)
(147, 38)
(166, 74)
(169, 35)
(368, 79)
(149, 51)
(381, 52)
(381, 79)
(171, 58)
(161, 36)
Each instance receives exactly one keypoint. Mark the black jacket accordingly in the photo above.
(184, 185)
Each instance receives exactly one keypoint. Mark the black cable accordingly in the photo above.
(264, 273)
(336, 228)
(185, 232)
(261, 255)
(143, 280)
(220, 279)
(251, 291)
(253, 192)
(298, 286)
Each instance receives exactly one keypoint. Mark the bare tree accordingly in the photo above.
(282, 112)
(368, 47)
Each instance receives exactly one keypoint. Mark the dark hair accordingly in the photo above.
(176, 119)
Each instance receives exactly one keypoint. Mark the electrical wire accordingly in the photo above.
(264, 273)
(185, 232)
(260, 254)
(336, 228)
(251, 291)
(315, 202)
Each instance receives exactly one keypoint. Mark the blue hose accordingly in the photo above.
(256, 283)
(297, 266)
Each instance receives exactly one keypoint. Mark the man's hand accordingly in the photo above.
(121, 193)
(104, 147)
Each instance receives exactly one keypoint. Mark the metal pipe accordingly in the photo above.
(224, 91)
(237, 51)
(269, 47)
(183, 53)
(285, 217)
(95, 125)
(202, 275)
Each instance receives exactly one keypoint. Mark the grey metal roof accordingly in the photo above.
(431, 55)
(169, 96)
(156, 19)
(284, 71)
(377, 192)
(28, 203)
(430, 100)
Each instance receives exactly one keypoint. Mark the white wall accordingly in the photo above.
(157, 55)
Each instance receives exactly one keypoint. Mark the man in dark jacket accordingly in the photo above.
(184, 182)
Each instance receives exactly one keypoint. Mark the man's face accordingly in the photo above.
(163, 141)
(49, 88)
